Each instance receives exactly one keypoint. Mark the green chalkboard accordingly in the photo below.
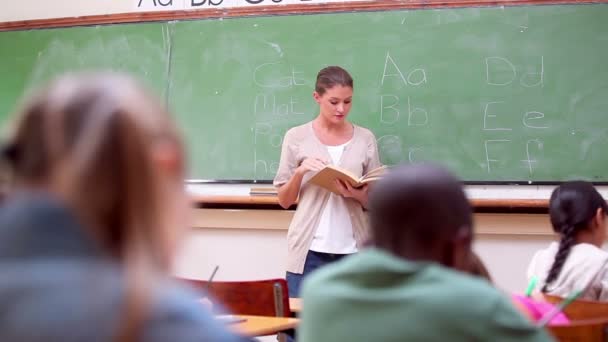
(30, 58)
(497, 94)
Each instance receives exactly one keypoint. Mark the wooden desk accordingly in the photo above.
(295, 305)
(263, 325)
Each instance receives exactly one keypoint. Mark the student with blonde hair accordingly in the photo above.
(97, 205)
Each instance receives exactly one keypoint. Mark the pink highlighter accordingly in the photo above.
(537, 310)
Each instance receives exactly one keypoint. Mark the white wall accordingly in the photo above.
(240, 253)
(249, 244)
(245, 254)
(507, 257)
(12, 10)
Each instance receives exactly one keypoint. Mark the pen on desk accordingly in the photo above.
(212, 276)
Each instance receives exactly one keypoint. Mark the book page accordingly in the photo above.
(326, 178)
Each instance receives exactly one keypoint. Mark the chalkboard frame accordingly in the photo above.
(257, 11)
(294, 9)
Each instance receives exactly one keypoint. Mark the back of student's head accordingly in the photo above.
(109, 151)
(572, 208)
(421, 212)
(96, 141)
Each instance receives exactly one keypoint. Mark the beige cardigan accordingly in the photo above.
(359, 157)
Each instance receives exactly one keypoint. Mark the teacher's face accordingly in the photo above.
(335, 103)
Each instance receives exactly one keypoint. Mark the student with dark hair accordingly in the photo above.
(577, 263)
(413, 284)
(88, 232)
(326, 226)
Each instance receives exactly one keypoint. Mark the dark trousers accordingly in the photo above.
(313, 261)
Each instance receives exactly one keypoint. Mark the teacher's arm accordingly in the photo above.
(372, 156)
(291, 172)
(288, 192)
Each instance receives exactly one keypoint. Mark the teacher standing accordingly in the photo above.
(325, 226)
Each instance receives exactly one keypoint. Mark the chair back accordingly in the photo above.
(581, 309)
(592, 330)
(257, 297)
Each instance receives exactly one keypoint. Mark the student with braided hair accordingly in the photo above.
(578, 214)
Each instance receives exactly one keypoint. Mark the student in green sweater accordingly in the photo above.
(409, 286)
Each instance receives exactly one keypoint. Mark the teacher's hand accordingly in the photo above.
(311, 164)
(347, 191)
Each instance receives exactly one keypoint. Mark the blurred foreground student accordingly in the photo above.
(410, 287)
(578, 262)
(88, 233)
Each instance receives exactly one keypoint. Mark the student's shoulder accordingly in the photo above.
(591, 251)
(463, 286)
(475, 299)
(467, 289)
(366, 264)
(335, 274)
(176, 314)
(542, 260)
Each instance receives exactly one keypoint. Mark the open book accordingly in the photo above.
(326, 178)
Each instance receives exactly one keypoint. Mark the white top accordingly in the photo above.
(334, 233)
(586, 268)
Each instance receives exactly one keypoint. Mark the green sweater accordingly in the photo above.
(374, 296)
